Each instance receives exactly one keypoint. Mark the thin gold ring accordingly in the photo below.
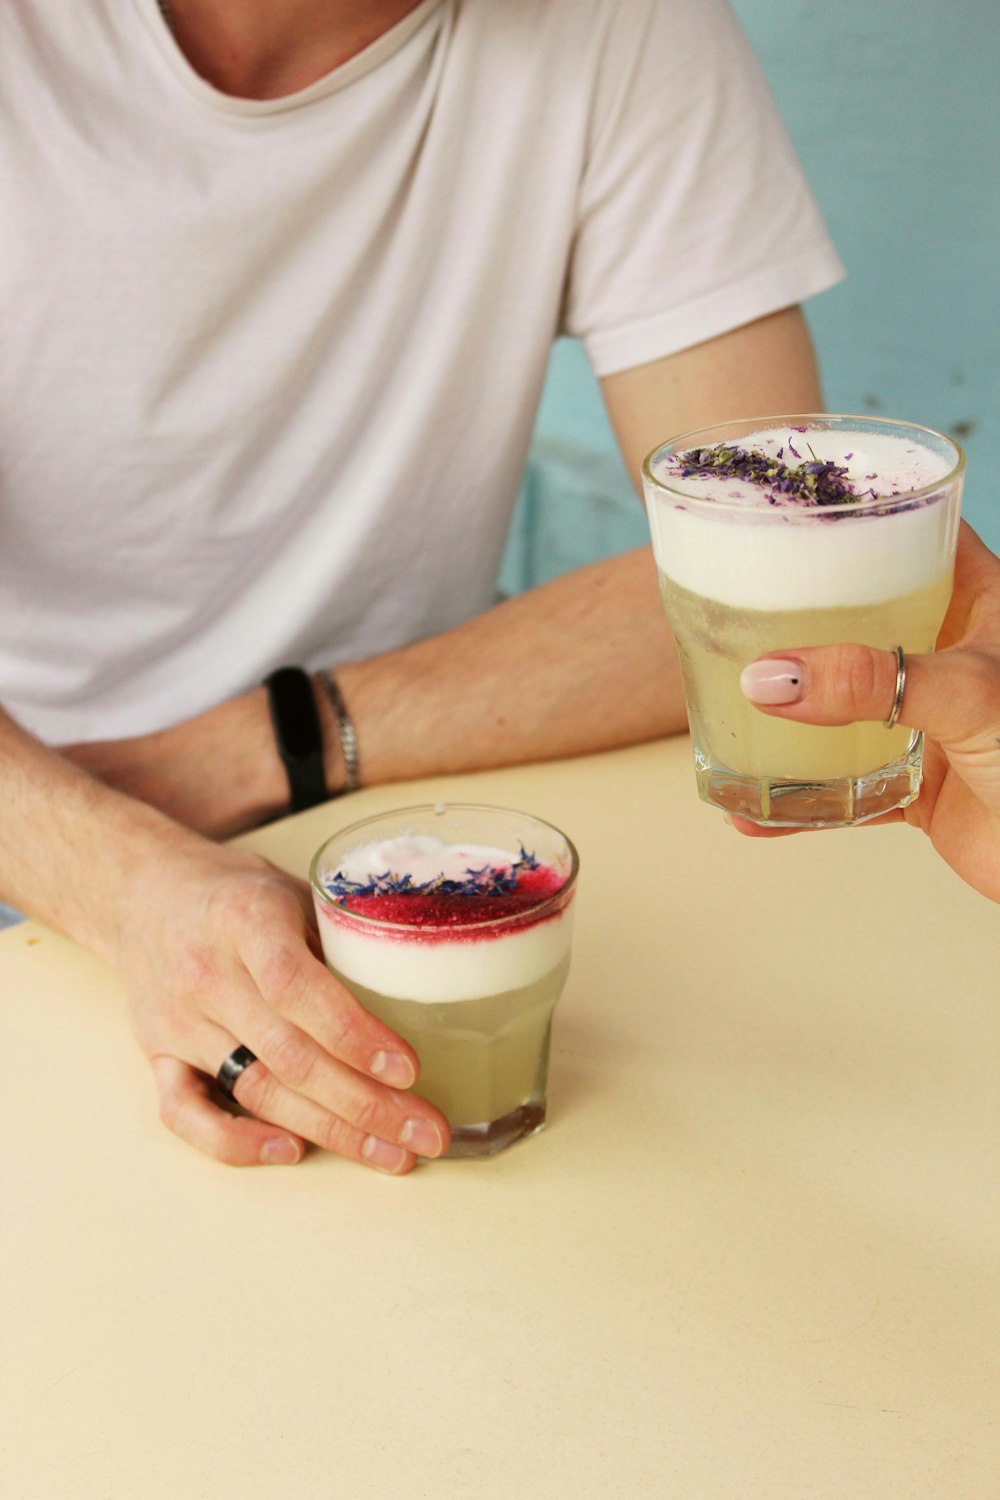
(897, 698)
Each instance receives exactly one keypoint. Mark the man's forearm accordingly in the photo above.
(580, 664)
(218, 953)
(58, 827)
(583, 663)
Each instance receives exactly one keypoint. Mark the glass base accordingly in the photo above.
(842, 802)
(496, 1135)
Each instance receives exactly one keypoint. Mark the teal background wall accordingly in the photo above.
(895, 111)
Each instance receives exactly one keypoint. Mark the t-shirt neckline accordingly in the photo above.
(365, 61)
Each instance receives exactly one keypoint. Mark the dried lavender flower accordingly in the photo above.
(816, 482)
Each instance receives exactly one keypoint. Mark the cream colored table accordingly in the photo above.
(753, 1255)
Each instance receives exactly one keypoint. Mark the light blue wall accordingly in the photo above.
(895, 111)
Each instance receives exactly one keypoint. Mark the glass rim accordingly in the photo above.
(879, 504)
(492, 924)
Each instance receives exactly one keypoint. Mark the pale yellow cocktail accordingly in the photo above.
(452, 924)
(803, 532)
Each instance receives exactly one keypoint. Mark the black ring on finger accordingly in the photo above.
(236, 1063)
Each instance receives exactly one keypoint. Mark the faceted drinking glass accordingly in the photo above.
(742, 578)
(469, 979)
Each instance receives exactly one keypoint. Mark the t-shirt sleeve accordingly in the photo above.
(694, 216)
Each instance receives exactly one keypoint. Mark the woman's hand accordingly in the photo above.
(953, 695)
(219, 949)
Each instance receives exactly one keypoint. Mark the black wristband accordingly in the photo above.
(297, 732)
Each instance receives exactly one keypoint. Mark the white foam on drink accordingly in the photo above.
(437, 965)
(421, 856)
(443, 972)
(750, 554)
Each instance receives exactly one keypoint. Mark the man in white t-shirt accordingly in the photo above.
(279, 285)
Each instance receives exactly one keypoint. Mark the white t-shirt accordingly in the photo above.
(269, 370)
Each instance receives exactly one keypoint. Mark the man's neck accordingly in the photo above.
(254, 50)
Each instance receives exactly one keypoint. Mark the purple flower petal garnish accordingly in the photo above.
(817, 482)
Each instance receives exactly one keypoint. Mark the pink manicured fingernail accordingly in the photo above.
(379, 1153)
(394, 1068)
(422, 1137)
(280, 1151)
(774, 681)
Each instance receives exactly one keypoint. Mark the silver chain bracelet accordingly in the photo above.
(346, 731)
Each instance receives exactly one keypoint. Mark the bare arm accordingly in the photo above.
(584, 663)
(765, 368)
(581, 664)
(217, 949)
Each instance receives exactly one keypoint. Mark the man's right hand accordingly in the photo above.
(218, 949)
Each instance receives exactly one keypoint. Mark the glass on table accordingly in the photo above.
(452, 924)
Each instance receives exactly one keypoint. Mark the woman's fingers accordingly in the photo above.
(974, 612)
(760, 831)
(951, 695)
(188, 1109)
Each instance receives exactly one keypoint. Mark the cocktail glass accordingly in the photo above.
(474, 998)
(740, 579)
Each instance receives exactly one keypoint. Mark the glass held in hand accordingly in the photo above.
(784, 532)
